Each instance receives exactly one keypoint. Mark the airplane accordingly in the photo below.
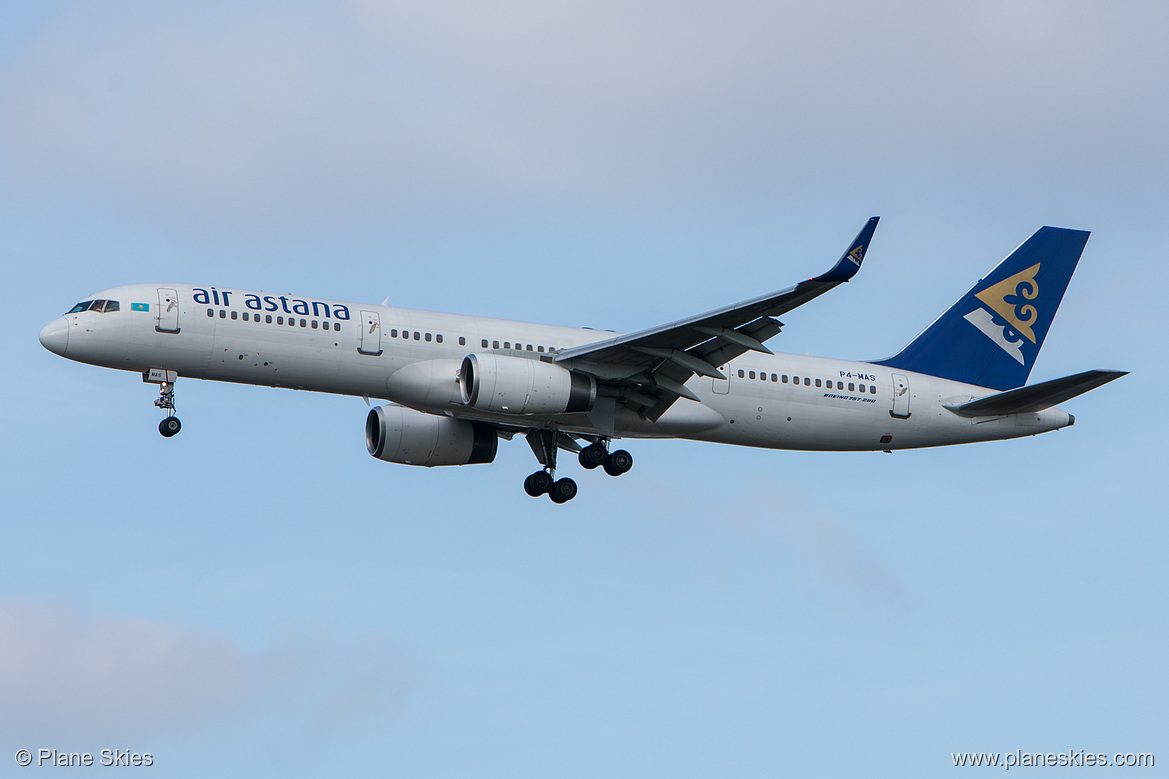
(457, 384)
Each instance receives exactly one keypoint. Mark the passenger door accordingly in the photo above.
(167, 320)
(371, 333)
(901, 396)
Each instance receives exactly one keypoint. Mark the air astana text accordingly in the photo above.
(269, 303)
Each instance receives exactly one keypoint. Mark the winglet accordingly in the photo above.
(850, 261)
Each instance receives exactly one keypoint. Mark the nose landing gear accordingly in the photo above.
(166, 399)
(170, 426)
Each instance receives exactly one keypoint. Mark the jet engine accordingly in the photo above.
(517, 385)
(403, 435)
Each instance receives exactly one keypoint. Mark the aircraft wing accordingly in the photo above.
(649, 367)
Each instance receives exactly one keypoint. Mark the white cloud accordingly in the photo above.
(65, 674)
(287, 112)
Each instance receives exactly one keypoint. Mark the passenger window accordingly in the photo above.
(222, 314)
(235, 315)
(783, 378)
(807, 382)
(872, 389)
(795, 379)
(495, 344)
(861, 388)
(750, 374)
(462, 341)
(428, 337)
(336, 327)
(268, 319)
(817, 382)
(438, 338)
(507, 344)
(314, 324)
(303, 323)
(529, 347)
(539, 348)
(417, 336)
(851, 387)
(279, 320)
(394, 333)
(741, 374)
(774, 377)
(210, 312)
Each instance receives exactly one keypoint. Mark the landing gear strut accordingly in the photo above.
(165, 400)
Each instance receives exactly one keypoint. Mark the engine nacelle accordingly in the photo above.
(517, 385)
(402, 435)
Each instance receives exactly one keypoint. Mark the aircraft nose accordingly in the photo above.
(55, 336)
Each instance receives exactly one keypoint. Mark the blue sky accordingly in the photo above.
(259, 596)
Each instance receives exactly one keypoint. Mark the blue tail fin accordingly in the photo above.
(993, 334)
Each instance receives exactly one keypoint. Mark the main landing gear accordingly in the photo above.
(596, 455)
(546, 443)
(166, 399)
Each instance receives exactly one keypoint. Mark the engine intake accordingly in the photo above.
(517, 385)
(402, 435)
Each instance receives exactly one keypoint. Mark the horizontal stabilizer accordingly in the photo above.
(1036, 397)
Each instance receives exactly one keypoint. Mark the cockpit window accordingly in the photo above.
(100, 306)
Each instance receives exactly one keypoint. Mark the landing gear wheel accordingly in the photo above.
(563, 490)
(170, 426)
(538, 483)
(618, 462)
(593, 456)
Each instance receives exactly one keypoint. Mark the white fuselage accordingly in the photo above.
(412, 358)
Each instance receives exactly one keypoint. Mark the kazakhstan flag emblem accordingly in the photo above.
(139, 306)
